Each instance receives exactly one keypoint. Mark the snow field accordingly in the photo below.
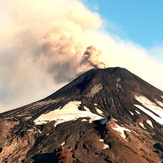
(151, 106)
(68, 113)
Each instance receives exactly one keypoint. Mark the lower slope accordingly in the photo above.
(84, 142)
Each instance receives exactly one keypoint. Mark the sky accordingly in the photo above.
(139, 21)
(45, 44)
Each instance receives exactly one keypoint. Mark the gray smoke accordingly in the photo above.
(91, 56)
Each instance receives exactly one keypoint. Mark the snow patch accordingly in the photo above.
(106, 146)
(151, 106)
(142, 125)
(137, 111)
(99, 111)
(156, 118)
(147, 103)
(62, 143)
(68, 113)
(150, 123)
(131, 113)
(159, 103)
(101, 140)
(121, 130)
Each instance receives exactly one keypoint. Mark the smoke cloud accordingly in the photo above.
(46, 44)
(43, 47)
(91, 56)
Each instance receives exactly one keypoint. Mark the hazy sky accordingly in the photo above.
(43, 43)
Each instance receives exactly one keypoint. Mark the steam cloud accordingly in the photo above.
(45, 44)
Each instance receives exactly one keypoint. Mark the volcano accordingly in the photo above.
(103, 116)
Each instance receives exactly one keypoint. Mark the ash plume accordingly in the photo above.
(61, 50)
(91, 56)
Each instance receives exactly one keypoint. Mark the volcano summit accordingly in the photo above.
(105, 116)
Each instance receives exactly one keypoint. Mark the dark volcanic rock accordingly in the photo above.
(66, 126)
